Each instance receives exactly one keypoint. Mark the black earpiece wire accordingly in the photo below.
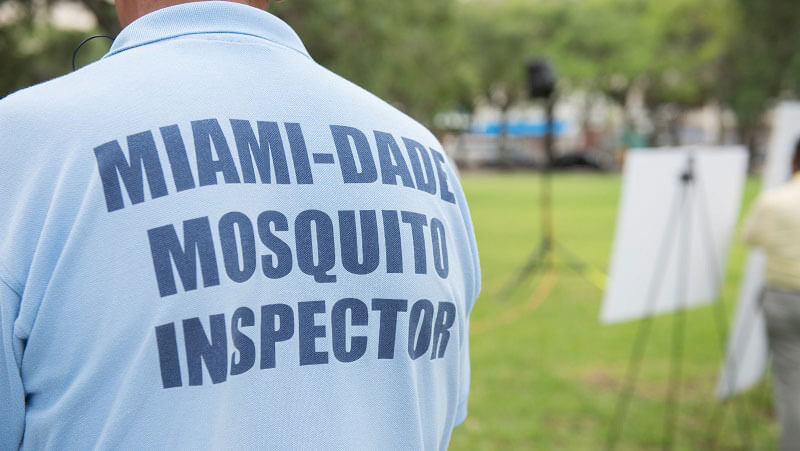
(75, 53)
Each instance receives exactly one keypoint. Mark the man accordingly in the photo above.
(209, 241)
(774, 226)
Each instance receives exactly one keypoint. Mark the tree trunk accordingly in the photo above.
(721, 130)
(675, 125)
(748, 135)
(586, 113)
(503, 150)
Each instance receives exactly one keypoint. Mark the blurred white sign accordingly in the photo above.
(747, 344)
(672, 238)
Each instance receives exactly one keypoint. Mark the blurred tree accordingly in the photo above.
(502, 37)
(32, 51)
(688, 41)
(596, 53)
(411, 53)
(760, 64)
(15, 68)
(603, 46)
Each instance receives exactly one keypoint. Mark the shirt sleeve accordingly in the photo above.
(756, 225)
(12, 393)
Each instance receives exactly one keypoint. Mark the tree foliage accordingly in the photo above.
(409, 52)
(32, 51)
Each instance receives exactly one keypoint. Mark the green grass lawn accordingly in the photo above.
(546, 374)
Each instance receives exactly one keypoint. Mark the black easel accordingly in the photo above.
(541, 81)
(680, 217)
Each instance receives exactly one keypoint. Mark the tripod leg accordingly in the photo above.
(542, 256)
(720, 319)
(679, 318)
(643, 332)
(676, 363)
(743, 415)
(584, 269)
(535, 262)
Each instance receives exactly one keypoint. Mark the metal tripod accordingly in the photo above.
(545, 253)
(680, 220)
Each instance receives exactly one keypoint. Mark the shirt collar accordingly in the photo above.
(206, 17)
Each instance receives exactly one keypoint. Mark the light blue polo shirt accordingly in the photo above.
(207, 240)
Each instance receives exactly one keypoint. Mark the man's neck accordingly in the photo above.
(130, 10)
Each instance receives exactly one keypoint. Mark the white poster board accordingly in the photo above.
(747, 353)
(651, 213)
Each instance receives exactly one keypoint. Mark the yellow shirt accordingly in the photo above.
(774, 226)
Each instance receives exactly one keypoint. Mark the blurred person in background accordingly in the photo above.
(773, 225)
(207, 240)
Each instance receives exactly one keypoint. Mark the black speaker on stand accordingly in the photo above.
(541, 80)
